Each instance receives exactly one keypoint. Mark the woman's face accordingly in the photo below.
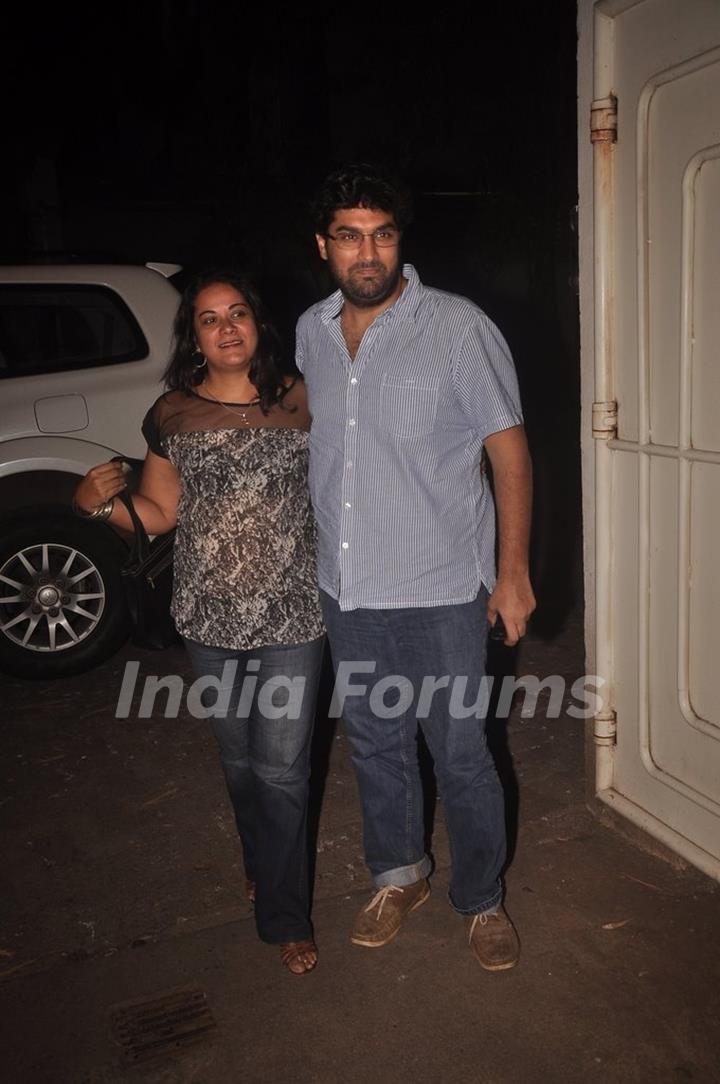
(225, 328)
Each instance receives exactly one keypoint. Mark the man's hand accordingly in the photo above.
(513, 596)
(514, 601)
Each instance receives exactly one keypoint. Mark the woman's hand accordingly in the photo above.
(99, 485)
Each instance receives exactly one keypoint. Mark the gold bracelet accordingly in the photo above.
(105, 510)
(101, 512)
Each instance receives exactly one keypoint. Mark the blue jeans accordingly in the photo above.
(264, 730)
(434, 642)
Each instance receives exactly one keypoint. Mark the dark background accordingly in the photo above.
(196, 134)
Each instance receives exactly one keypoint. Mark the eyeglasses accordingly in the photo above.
(385, 237)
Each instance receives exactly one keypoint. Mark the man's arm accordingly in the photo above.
(299, 347)
(513, 596)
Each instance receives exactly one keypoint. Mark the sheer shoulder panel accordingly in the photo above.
(191, 412)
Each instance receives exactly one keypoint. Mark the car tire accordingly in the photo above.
(62, 604)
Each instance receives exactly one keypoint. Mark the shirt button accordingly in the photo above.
(346, 545)
(351, 421)
(349, 464)
(347, 504)
(353, 380)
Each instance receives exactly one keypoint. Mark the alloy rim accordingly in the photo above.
(51, 597)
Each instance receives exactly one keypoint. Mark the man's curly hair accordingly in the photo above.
(362, 185)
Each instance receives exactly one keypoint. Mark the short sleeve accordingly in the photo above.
(151, 433)
(299, 351)
(485, 379)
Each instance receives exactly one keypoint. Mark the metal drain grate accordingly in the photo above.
(162, 1025)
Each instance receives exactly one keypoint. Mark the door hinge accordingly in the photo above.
(605, 727)
(603, 120)
(604, 420)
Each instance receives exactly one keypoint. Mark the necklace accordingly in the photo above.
(230, 409)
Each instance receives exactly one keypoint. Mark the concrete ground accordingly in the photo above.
(122, 886)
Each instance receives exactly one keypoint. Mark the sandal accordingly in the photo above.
(250, 890)
(299, 957)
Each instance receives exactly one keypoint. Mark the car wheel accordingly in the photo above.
(62, 606)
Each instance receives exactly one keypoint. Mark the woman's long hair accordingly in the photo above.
(184, 372)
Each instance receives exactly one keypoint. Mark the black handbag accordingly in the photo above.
(147, 578)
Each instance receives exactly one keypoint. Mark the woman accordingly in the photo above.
(227, 464)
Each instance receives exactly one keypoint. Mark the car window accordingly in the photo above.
(53, 328)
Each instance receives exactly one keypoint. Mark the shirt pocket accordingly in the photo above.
(408, 408)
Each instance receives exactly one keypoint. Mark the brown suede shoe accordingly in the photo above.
(379, 922)
(494, 941)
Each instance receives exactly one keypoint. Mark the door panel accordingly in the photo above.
(705, 432)
(663, 506)
(703, 609)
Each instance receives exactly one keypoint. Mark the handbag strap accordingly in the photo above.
(141, 543)
(140, 547)
(145, 558)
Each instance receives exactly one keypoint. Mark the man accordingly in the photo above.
(407, 385)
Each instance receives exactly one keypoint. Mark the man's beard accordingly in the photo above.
(368, 292)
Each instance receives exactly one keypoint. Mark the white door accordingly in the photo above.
(654, 350)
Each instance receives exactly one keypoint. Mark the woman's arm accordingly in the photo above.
(155, 502)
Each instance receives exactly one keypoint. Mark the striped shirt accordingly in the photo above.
(404, 512)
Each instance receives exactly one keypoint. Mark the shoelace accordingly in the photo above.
(380, 897)
(482, 919)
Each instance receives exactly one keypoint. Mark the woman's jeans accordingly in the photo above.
(443, 646)
(264, 715)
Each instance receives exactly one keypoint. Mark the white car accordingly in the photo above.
(82, 353)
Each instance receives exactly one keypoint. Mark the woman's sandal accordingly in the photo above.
(250, 890)
(299, 957)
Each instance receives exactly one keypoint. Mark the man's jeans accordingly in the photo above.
(266, 761)
(434, 642)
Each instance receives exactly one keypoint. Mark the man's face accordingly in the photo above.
(368, 274)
